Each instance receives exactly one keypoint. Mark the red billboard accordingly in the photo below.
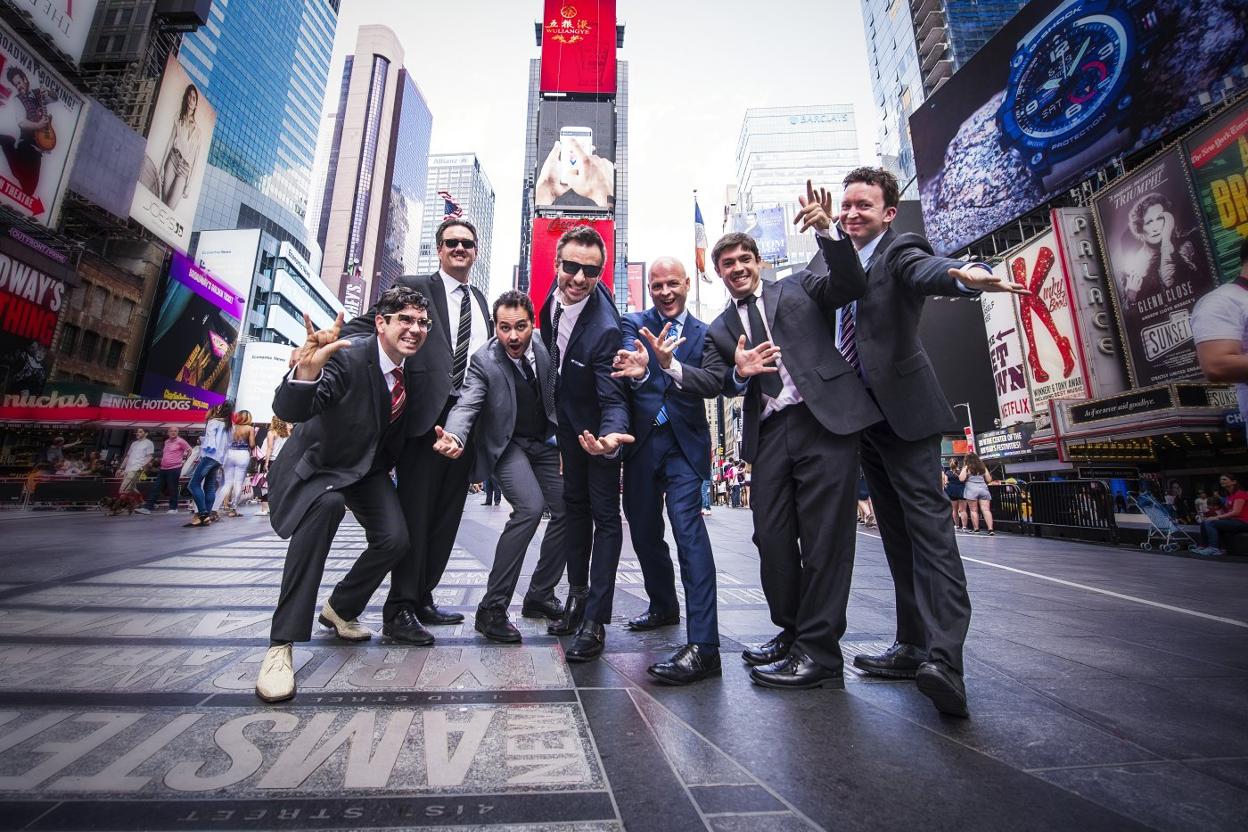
(546, 234)
(578, 46)
(637, 289)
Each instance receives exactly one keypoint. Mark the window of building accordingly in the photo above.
(69, 338)
(96, 297)
(120, 311)
(114, 354)
(90, 341)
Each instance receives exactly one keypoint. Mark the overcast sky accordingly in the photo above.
(695, 66)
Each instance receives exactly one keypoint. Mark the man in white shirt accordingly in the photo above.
(1220, 329)
(138, 455)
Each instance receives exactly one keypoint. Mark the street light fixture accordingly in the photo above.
(970, 423)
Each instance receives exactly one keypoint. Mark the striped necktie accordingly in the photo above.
(398, 394)
(551, 382)
(849, 343)
(460, 363)
(661, 417)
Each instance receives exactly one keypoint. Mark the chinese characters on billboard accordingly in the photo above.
(193, 337)
(177, 154)
(1159, 263)
(546, 234)
(1062, 88)
(1218, 154)
(30, 303)
(1005, 352)
(39, 118)
(576, 155)
(578, 46)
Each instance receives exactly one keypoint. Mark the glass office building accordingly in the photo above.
(398, 246)
(460, 176)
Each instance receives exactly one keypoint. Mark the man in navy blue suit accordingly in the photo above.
(672, 456)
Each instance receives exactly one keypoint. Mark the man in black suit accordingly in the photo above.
(433, 488)
(349, 402)
(581, 331)
(804, 409)
(901, 454)
(515, 421)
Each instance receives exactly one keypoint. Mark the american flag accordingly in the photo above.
(450, 208)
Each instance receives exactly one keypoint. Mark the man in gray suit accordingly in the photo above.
(515, 446)
(878, 336)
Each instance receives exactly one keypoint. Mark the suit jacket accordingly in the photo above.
(428, 372)
(800, 311)
(686, 412)
(490, 393)
(588, 398)
(902, 273)
(340, 424)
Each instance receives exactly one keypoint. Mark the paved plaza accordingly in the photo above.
(1108, 690)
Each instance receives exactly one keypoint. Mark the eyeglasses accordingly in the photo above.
(454, 243)
(410, 321)
(571, 267)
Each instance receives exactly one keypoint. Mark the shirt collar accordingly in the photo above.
(572, 308)
(680, 319)
(451, 283)
(387, 366)
(864, 253)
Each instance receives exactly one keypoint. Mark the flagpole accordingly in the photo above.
(697, 280)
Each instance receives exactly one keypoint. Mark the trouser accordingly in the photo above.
(595, 534)
(203, 484)
(491, 491)
(706, 495)
(375, 504)
(129, 481)
(234, 477)
(166, 481)
(1211, 530)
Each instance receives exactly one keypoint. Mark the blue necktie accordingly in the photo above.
(672, 334)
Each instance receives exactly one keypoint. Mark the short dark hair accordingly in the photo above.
(13, 73)
(1243, 252)
(731, 240)
(512, 299)
(451, 222)
(877, 176)
(397, 298)
(586, 236)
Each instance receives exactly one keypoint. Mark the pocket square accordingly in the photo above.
(577, 363)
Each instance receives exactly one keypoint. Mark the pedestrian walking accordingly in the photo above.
(172, 457)
(237, 463)
(975, 477)
(203, 481)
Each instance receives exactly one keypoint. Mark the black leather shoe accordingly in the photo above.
(405, 627)
(492, 622)
(573, 616)
(588, 643)
(797, 672)
(941, 684)
(430, 614)
(691, 663)
(649, 620)
(769, 653)
(552, 609)
(897, 662)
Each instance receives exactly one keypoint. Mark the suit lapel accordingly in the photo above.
(732, 319)
(381, 391)
(504, 364)
(772, 289)
(692, 333)
(542, 359)
(582, 321)
(438, 293)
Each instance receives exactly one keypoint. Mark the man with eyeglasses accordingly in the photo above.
(433, 488)
(581, 331)
(350, 401)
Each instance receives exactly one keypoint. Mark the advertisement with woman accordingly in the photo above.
(1160, 266)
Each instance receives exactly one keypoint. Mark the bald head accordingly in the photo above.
(669, 286)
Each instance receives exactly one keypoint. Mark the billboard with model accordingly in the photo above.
(576, 155)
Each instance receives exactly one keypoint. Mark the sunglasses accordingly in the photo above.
(467, 244)
(571, 267)
(410, 321)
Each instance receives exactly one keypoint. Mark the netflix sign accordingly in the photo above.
(546, 234)
(578, 46)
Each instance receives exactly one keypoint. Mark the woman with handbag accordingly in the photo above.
(278, 433)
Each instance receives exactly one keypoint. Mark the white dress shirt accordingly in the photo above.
(789, 394)
(480, 332)
(567, 321)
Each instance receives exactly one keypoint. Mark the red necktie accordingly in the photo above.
(398, 394)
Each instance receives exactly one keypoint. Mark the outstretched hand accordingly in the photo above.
(603, 445)
(631, 363)
(976, 277)
(756, 361)
(816, 210)
(663, 348)
(446, 444)
(315, 353)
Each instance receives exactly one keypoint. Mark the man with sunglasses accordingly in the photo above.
(581, 332)
(433, 488)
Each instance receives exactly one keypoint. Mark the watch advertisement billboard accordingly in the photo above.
(66, 22)
(30, 303)
(546, 234)
(39, 118)
(177, 154)
(193, 337)
(578, 46)
(1005, 352)
(576, 155)
(1159, 263)
(1218, 156)
(1062, 88)
(1051, 349)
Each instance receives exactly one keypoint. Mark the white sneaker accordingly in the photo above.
(276, 681)
(172, 511)
(346, 630)
(142, 510)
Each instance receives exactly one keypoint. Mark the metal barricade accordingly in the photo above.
(1011, 508)
(1081, 509)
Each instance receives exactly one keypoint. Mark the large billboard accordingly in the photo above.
(231, 256)
(1061, 89)
(193, 337)
(1159, 262)
(177, 154)
(1005, 351)
(39, 118)
(66, 22)
(578, 46)
(30, 303)
(768, 228)
(576, 155)
(263, 367)
(1218, 155)
(546, 234)
(638, 290)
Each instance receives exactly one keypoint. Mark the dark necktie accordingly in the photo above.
(552, 375)
(769, 383)
(398, 394)
(527, 371)
(849, 342)
(460, 363)
(672, 334)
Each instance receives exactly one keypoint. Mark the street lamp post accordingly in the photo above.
(970, 423)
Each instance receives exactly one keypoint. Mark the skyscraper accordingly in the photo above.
(374, 191)
(457, 184)
(263, 66)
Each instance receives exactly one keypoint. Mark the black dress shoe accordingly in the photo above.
(552, 609)
(941, 684)
(649, 620)
(797, 672)
(492, 622)
(430, 614)
(769, 653)
(588, 643)
(573, 616)
(897, 662)
(691, 663)
(405, 627)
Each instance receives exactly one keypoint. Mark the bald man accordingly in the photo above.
(671, 455)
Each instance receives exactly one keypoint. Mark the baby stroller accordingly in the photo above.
(1162, 529)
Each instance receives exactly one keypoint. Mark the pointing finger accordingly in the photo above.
(307, 323)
